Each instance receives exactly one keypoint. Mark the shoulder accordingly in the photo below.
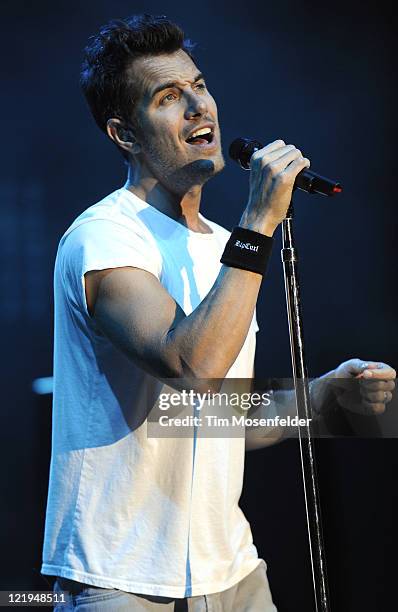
(115, 213)
(109, 234)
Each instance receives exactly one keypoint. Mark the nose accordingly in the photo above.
(196, 106)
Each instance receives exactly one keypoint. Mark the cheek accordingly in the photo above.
(164, 128)
(151, 136)
(167, 136)
(163, 142)
(212, 106)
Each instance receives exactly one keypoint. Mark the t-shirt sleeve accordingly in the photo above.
(98, 245)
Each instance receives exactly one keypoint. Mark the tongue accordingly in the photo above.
(198, 141)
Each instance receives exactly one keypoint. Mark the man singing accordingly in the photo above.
(137, 522)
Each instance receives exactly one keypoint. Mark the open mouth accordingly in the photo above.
(202, 136)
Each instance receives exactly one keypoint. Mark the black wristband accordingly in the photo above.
(248, 250)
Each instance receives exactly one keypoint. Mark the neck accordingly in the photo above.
(182, 208)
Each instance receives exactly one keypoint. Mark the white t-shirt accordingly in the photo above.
(156, 516)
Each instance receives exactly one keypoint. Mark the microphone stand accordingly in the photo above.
(308, 465)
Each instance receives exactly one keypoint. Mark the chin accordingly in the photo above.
(200, 171)
(210, 165)
(193, 173)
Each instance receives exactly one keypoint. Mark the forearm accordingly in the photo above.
(207, 342)
(283, 406)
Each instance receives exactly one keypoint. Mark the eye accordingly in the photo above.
(200, 86)
(168, 98)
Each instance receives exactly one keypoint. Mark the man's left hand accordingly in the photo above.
(375, 386)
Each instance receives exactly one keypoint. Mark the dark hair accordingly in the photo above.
(108, 55)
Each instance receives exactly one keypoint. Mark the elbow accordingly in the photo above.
(202, 379)
(205, 373)
(197, 371)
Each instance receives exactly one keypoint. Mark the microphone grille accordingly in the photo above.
(241, 150)
(236, 147)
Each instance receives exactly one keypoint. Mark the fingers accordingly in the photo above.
(285, 160)
(376, 393)
(296, 166)
(277, 156)
(377, 397)
(377, 385)
(273, 170)
(380, 371)
(355, 367)
(369, 369)
(273, 146)
(281, 157)
(371, 408)
(267, 153)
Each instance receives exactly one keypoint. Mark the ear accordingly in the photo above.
(122, 135)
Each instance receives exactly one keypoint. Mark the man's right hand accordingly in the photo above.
(273, 170)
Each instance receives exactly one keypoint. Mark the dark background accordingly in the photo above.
(319, 75)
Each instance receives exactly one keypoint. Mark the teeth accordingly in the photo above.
(201, 132)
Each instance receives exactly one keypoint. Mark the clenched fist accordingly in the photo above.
(273, 171)
(373, 390)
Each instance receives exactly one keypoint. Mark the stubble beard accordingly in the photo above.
(180, 178)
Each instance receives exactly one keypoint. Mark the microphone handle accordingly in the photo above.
(306, 180)
(309, 181)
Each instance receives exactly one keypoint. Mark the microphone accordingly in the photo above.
(241, 150)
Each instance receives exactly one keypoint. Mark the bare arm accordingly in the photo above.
(140, 317)
(136, 313)
(282, 405)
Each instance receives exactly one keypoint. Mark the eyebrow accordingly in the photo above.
(172, 84)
